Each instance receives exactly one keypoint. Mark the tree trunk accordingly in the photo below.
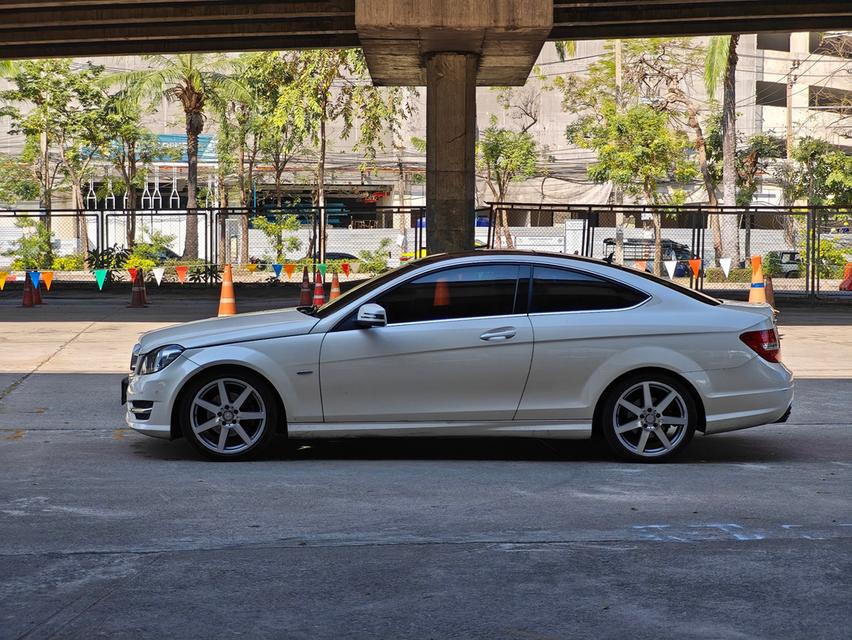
(709, 184)
(244, 217)
(222, 217)
(130, 179)
(323, 236)
(193, 129)
(730, 233)
(81, 230)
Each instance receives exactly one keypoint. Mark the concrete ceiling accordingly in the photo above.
(43, 28)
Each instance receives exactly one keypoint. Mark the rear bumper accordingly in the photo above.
(754, 394)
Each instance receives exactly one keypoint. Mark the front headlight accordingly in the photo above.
(134, 356)
(159, 359)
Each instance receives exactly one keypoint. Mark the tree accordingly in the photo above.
(751, 165)
(825, 173)
(275, 228)
(636, 149)
(328, 85)
(196, 81)
(721, 64)
(16, 180)
(504, 156)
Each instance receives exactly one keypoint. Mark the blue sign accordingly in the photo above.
(206, 146)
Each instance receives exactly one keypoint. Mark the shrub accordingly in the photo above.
(34, 249)
(716, 275)
(376, 261)
(72, 262)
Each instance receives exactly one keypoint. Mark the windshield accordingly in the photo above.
(359, 290)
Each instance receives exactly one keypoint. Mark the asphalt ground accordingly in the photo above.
(106, 533)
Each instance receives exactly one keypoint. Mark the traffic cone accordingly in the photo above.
(335, 287)
(36, 295)
(319, 292)
(305, 293)
(28, 291)
(442, 293)
(757, 293)
(144, 289)
(769, 290)
(137, 299)
(227, 300)
(846, 285)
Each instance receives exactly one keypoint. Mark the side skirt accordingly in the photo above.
(516, 429)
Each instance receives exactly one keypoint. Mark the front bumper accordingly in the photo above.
(151, 398)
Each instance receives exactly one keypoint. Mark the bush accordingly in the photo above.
(716, 275)
(34, 249)
(376, 261)
(73, 262)
(772, 264)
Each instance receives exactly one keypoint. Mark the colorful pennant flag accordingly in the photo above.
(158, 274)
(47, 278)
(35, 276)
(252, 267)
(323, 267)
(289, 269)
(100, 276)
(277, 269)
(3, 276)
(726, 265)
(671, 266)
(345, 267)
(641, 265)
(132, 271)
(181, 273)
(695, 263)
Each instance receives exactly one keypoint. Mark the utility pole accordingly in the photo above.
(791, 80)
(618, 195)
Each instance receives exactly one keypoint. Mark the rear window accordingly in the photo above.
(556, 290)
(692, 293)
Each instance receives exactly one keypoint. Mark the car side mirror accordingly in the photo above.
(371, 315)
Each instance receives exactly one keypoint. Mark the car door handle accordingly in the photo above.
(503, 333)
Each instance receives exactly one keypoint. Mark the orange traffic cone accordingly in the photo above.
(846, 285)
(769, 290)
(28, 291)
(36, 294)
(227, 300)
(319, 292)
(305, 292)
(442, 293)
(335, 287)
(137, 299)
(757, 293)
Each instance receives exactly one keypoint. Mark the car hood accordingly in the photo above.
(241, 328)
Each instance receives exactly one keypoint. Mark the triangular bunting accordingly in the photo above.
(100, 276)
(277, 269)
(671, 266)
(132, 271)
(345, 267)
(289, 269)
(323, 267)
(181, 273)
(3, 276)
(252, 267)
(695, 264)
(158, 274)
(47, 278)
(641, 265)
(35, 276)
(726, 265)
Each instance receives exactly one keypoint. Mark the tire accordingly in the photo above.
(658, 434)
(248, 417)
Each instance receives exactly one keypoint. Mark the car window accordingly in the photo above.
(565, 290)
(461, 292)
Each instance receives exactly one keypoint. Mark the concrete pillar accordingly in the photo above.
(450, 151)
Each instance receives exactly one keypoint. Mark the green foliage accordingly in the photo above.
(772, 264)
(505, 156)
(375, 261)
(276, 228)
(34, 249)
(822, 174)
(16, 181)
(715, 275)
(831, 259)
(207, 273)
(71, 262)
(113, 258)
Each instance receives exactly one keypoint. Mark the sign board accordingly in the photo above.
(553, 244)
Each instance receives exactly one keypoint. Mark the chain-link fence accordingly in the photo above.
(804, 249)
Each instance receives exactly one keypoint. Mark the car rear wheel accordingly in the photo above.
(648, 417)
(229, 416)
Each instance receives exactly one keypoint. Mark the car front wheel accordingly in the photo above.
(648, 417)
(229, 416)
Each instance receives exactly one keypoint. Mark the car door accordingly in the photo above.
(456, 347)
(579, 324)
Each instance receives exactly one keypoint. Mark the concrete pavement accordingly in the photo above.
(105, 533)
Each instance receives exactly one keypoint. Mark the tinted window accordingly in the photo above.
(563, 290)
(463, 292)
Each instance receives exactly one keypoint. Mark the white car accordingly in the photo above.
(475, 344)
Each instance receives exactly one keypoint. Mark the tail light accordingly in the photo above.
(764, 343)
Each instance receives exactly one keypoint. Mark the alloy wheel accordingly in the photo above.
(228, 416)
(650, 419)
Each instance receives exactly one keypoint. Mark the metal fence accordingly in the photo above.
(805, 249)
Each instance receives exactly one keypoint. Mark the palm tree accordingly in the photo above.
(721, 64)
(196, 81)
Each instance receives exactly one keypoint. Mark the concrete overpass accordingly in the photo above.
(450, 46)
